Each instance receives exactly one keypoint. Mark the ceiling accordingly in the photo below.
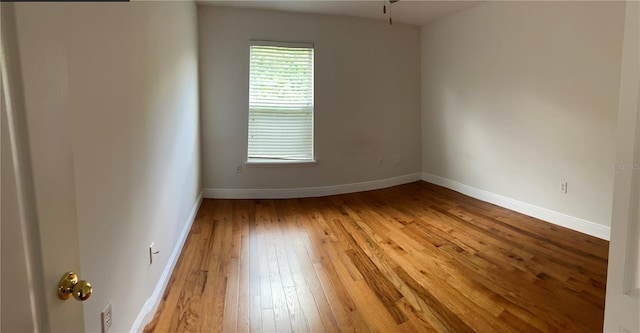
(416, 12)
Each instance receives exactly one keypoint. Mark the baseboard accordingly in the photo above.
(564, 220)
(308, 192)
(151, 305)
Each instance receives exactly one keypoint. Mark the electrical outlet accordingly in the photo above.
(107, 318)
(152, 252)
(564, 187)
(380, 160)
(239, 168)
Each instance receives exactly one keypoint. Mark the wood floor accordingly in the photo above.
(411, 258)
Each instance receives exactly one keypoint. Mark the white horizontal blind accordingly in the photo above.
(281, 101)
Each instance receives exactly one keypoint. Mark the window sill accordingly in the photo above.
(267, 163)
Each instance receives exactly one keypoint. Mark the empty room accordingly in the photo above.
(320, 166)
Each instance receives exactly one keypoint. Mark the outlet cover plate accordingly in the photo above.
(107, 318)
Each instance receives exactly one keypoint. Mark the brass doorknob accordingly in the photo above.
(69, 285)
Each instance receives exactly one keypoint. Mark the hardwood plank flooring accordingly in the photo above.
(411, 258)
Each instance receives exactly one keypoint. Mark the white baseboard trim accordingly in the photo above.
(307, 192)
(151, 305)
(564, 220)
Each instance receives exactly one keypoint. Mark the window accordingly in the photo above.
(280, 102)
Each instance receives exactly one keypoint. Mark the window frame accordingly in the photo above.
(268, 162)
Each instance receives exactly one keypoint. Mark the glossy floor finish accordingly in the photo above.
(411, 258)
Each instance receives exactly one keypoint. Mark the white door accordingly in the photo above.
(19, 310)
(38, 197)
(622, 308)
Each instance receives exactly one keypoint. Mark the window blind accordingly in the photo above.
(280, 102)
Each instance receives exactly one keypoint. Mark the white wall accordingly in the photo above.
(519, 96)
(128, 75)
(367, 97)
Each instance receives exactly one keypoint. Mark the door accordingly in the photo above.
(19, 311)
(38, 198)
(622, 306)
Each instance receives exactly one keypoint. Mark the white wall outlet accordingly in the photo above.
(380, 160)
(564, 187)
(152, 252)
(107, 318)
(239, 168)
